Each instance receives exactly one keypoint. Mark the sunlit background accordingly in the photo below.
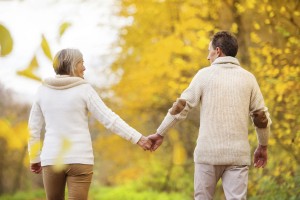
(90, 26)
(140, 55)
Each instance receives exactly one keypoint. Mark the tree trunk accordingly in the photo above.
(2, 162)
(242, 37)
(229, 15)
(19, 170)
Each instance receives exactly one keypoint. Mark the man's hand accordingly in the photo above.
(36, 167)
(178, 106)
(157, 141)
(260, 156)
(145, 143)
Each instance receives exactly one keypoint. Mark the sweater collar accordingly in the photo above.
(60, 82)
(227, 61)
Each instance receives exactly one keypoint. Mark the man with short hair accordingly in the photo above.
(227, 95)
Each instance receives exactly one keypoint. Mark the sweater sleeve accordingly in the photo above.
(260, 115)
(35, 125)
(109, 119)
(192, 96)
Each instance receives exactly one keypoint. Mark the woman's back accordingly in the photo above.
(64, 108)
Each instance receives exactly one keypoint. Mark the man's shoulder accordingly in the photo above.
(205, 69)
(202, 72)
(247, 73)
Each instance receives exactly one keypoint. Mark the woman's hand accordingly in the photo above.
(36, 167)
(145, 143)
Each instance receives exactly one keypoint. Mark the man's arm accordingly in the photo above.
(189, 99)
(261, 120)
(177, 107)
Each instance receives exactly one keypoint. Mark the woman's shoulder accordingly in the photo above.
(87, 89)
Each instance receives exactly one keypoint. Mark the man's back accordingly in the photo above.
(225, 98)
(227, 95)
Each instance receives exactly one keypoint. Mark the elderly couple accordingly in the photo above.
(226, 93)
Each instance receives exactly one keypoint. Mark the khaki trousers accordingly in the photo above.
(78, 178)
(234, 181)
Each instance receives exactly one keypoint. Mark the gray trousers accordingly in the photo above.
(234, 181)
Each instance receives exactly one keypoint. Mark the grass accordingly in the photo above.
(25, 195)
(105, 193)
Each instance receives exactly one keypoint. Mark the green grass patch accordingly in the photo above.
(125, 192)
(25, 195)
(131, 193)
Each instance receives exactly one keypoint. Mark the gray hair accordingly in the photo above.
(65, 61)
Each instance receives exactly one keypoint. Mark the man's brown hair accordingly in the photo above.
(226, 41)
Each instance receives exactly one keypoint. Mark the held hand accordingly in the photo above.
(145, 143)
(260, 156)
(178, 106)
(36, 167)
(157, 141)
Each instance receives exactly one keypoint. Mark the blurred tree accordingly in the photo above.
(13, 141)
(158, 60)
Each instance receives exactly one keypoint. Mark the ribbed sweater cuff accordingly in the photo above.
(35, 160)
(167, 123)
(136, 137)
(263, 135)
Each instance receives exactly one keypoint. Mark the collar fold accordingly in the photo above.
(227, 61)
(60, 82)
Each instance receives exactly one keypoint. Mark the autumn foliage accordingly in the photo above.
(163, 47)
(167, 43)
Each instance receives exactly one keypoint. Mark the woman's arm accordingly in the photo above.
(113, 122)
(35, 125)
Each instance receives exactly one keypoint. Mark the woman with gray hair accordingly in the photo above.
(62, 104)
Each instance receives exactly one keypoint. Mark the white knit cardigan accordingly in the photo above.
(62, 103)
(227, 95)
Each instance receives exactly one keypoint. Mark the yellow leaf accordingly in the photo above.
(6, 41)
(29, 71)
(234, 28)
(254, 37)
(240, 8)
(287, 50)
(297, 13)
(282, 9)
(12, 138)
(269, 8)
(65, 147)
(63, 27)
(289, 116)
(256, 26)
(35, 150)
(46, 48)
(267, 21)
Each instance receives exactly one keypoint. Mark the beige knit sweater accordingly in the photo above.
(227, 95)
